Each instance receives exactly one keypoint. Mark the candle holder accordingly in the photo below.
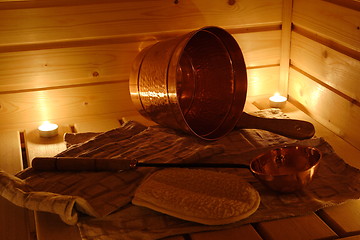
(277, 101)
(48, 129)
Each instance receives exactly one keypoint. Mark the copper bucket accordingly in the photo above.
(196, 83)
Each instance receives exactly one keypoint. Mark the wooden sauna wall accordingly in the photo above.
(66, 61)
(325, 64)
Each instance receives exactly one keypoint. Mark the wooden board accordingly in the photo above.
(10, 152)
(332, 67)
(263, 81)
(332, 21)
(256, 45)
(344, 219)
(308, 227)
(245, 232)
(333, 111)
(111, 100)
(58, 24)
(64, 67)
(101, 125)
(62, 104)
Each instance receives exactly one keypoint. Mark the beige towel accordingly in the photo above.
(105, 197)
(101, 193)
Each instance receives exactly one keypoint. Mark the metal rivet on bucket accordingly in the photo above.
(196, 83)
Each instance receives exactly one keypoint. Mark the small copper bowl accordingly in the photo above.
(286, 169)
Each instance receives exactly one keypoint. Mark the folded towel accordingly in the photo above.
(105, 196)
(101, 193)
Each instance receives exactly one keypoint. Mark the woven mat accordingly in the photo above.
(99, 202)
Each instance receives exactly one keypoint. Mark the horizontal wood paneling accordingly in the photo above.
(337, 23)
(325, 63)
(38, 69)
(332, 67)
(66, 103)
(333, 111)
(66, 66)
(63, 24)
(263, 81)
(256, 45)
(71, 60)
(103, 100)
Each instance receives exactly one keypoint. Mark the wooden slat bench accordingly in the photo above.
(339, 222)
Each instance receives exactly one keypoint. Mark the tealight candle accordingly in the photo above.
(48, 129)
(277, 101)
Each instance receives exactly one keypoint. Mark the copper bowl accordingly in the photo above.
(286, 169)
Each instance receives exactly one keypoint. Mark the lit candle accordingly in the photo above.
(48, 129)
(277, 101)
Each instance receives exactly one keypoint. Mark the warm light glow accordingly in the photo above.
(278, 98)
(48, 129)
(42, 105)
(47, 126)
(277, 101)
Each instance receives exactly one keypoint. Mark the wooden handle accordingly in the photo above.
(81, 164)
(297, 129)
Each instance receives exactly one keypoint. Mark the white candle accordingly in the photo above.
(48, 129)
(277, 101)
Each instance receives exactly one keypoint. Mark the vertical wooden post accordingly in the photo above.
(285, 46)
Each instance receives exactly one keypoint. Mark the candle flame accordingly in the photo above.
(47, 126)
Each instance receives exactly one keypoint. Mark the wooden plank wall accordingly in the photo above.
(65, 60)
(325, 64)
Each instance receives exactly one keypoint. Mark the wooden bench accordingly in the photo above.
(341, 221)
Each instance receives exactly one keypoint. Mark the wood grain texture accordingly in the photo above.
(344, 219)
(332, 67)
(57, 24)
(352, 4)
(242, 232)
(260, 48)
(10, 152)
(308, 227)
(55, 68)
(335, 22)
(263, 81)
(98, 125)
(67, 103)
(95, 101)
(330, 109)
